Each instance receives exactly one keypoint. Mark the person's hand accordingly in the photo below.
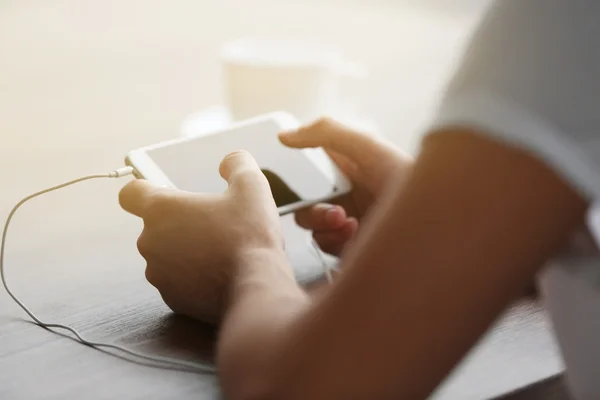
(366, 160)
(194, 244)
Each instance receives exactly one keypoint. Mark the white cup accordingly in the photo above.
(305, 79)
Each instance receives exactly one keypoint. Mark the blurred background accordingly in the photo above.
(114, 74)
(83, 82)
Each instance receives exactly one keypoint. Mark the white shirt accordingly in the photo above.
(531, 78)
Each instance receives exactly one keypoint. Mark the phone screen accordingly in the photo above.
(193, 165)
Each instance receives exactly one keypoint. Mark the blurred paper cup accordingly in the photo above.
(305, 79)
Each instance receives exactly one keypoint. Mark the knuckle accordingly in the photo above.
(151, 276)
(310, 217)
(142, 245)
(243, 173)
(250, 177)
(302, 218)
(326, 128)
(324, 123)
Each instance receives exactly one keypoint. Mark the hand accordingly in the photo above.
(366, 160)
(194, 244)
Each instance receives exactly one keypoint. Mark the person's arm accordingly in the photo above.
(438, 261)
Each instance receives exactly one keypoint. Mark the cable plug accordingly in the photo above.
(117, 173)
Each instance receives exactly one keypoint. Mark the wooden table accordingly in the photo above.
(94, 281)
(83, 82)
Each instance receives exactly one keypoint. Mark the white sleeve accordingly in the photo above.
(531, 77)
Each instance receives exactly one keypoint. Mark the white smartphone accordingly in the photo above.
(298, 178)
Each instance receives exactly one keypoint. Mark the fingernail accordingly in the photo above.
(332, 215)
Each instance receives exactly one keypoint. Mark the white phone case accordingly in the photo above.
(146, 168)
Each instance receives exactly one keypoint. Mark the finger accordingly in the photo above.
(321, 217)
(349, 168)
(330, 135)
(242, 173)
(236, 163)
(345, 202)
(137, 195)
(153, 276)
(334, 242)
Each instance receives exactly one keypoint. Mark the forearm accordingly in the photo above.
(457, 258)
(263, 301)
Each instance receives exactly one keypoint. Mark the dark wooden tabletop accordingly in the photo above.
(93, 280)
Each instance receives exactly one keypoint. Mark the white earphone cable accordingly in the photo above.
(326, 267)
(164, 362)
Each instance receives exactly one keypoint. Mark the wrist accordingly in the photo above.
(265, 271)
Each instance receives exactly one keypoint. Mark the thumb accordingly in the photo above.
(139, 195)
(242, 173)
